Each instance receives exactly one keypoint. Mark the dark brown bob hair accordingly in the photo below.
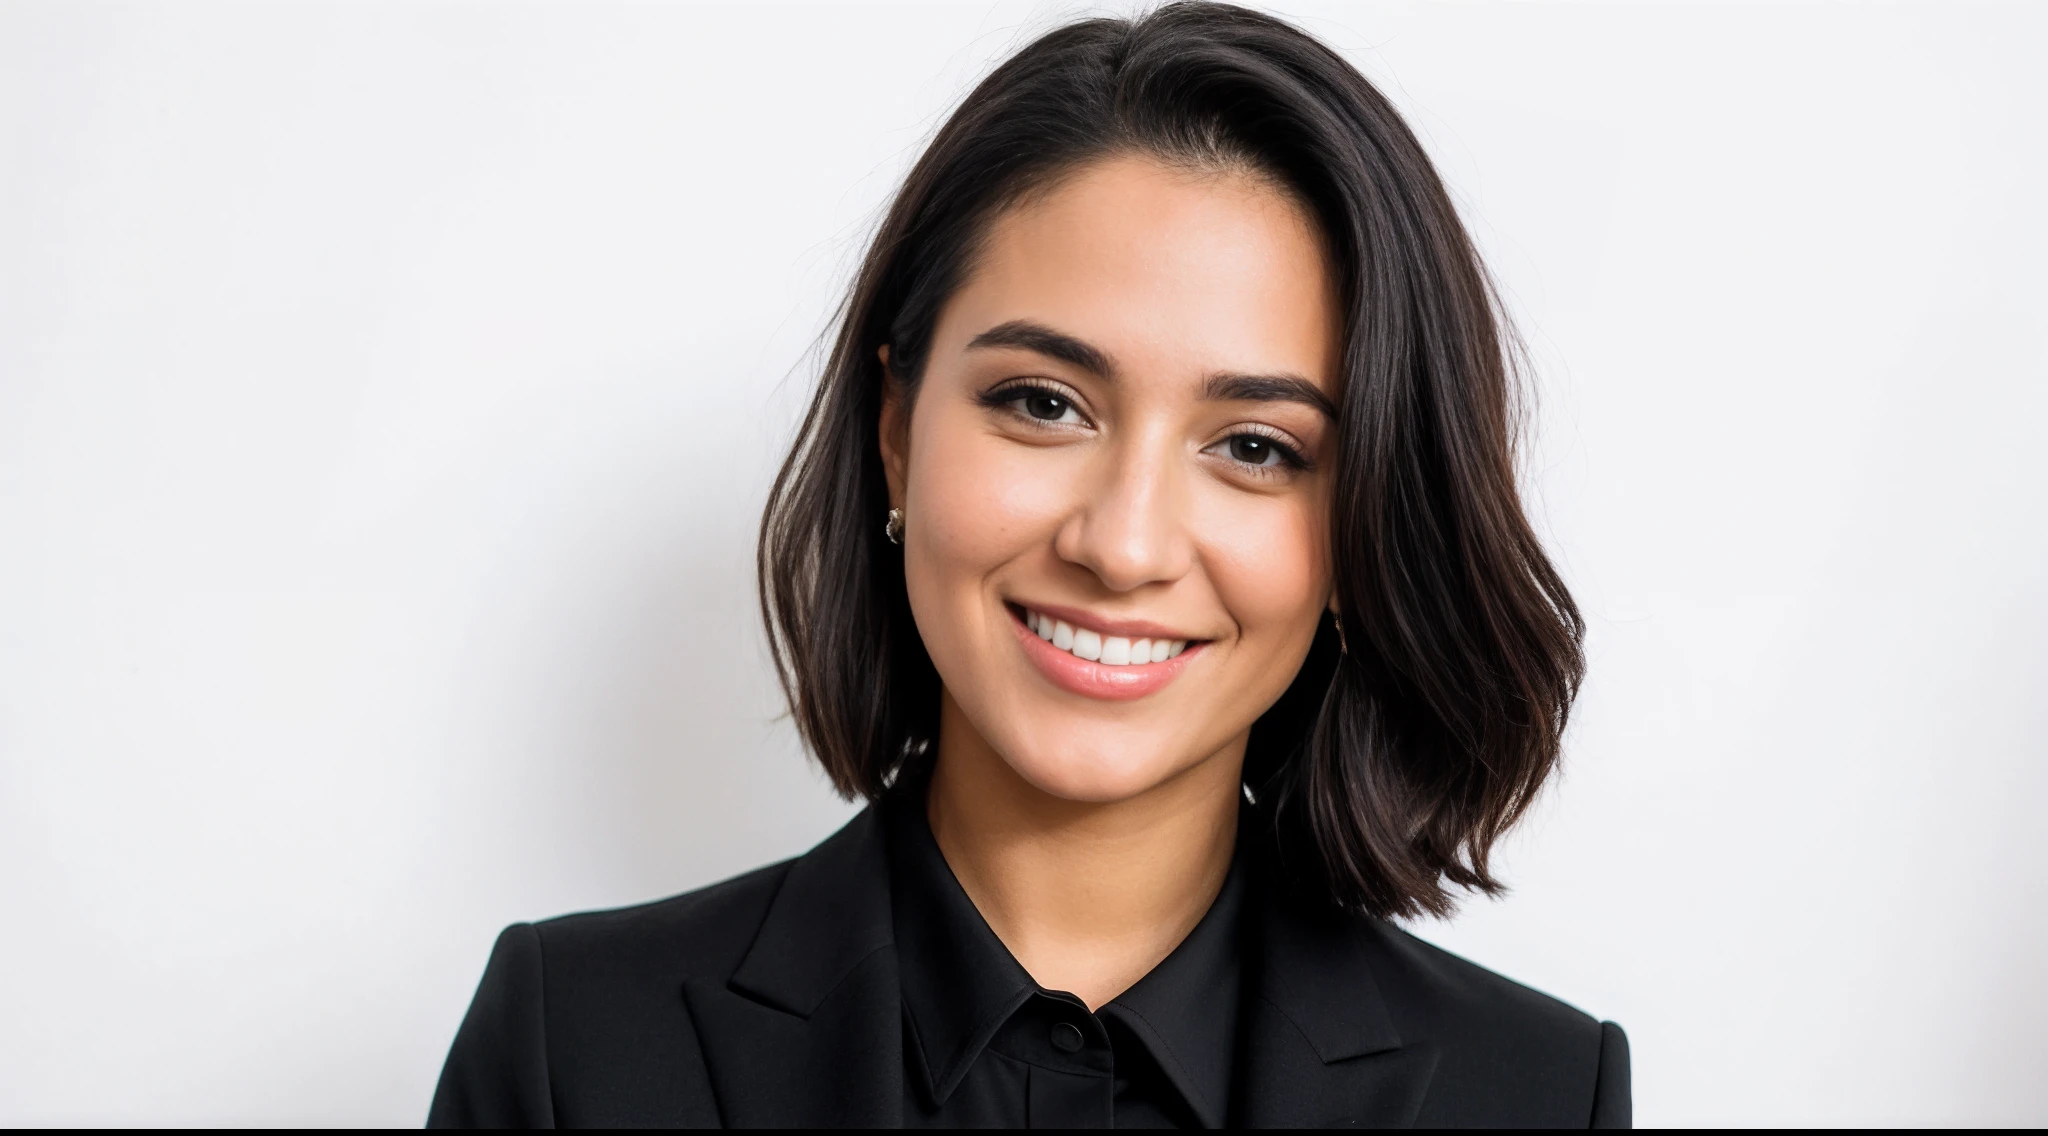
(1399, 756)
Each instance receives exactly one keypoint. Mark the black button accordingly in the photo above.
(1066, 1037)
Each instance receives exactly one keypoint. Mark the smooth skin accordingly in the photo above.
(1124, 413)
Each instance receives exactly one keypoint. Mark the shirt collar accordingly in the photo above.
(960, 983)
(1185, 1010)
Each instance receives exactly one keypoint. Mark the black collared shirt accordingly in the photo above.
(987, 1047)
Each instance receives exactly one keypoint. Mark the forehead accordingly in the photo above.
(1175, 273)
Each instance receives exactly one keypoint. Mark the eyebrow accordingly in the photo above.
(1269, 388)
(1047, 342)
(1228, 387)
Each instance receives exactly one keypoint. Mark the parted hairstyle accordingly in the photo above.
(1396, 759)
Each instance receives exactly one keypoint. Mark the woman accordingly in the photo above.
(1151, 559)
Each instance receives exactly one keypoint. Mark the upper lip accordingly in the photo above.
(1128, 628)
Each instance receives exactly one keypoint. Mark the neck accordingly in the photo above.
(1088, 896)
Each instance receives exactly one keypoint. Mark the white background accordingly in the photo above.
(388, 393)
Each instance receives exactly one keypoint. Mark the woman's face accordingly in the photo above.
(1115, 475)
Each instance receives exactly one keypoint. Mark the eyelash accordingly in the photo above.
(1009, 395)
(1291, 459)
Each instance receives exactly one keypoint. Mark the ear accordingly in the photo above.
(894, 431)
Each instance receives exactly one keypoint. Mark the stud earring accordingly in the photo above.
(893, 527)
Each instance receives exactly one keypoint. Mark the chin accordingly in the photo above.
(1094, 777)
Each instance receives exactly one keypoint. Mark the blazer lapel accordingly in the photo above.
(1321, 1050)
(807, 1032)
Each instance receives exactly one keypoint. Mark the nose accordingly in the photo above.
(1131, 526)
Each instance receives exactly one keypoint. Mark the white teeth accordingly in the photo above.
(1087, 644)
(1110, 650)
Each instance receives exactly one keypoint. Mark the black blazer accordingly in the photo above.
(771, 1000)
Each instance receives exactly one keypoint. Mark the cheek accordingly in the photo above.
(976, 501)
(1269, 562)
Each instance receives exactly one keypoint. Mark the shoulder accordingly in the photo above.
(1497, 1041)
(580, 1020)
(699, 933)
(1432, 989)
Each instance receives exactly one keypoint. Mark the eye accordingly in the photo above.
(1042, 405)
(1254, 450)
(1046, 407)
(1259, 452)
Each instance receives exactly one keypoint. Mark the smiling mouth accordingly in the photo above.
(1093, 646)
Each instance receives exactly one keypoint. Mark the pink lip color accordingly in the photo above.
(1093, 680)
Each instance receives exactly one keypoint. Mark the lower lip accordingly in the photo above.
(1077, 675)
